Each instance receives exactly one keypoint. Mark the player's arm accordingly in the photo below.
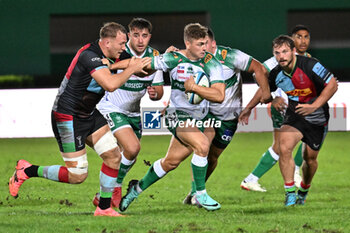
(326, 94)
(215, 93)
(261, 75)
(111, 82)
(245, 114)
(122, 65)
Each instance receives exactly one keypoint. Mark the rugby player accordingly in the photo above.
(301, 37)
(182, 65)
(75, 120)
(233, 61)
(121, 108)
(308, 85)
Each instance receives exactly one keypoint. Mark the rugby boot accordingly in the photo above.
(205, 201)
(130, 196)
(252, 186)
(291, 199)
(301, 197)
(18, 177)
(107, 212)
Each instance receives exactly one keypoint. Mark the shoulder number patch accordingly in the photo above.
(224, 54)
(207, 58)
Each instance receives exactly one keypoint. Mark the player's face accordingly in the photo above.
(284, 55)
(211, 46)
(197, 48)
(302, 41)
(117, 45)
(139, 39)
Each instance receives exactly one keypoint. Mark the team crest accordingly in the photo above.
(207, 58)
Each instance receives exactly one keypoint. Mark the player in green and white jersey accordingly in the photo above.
(121, 108)
(301, 37)
(233, 61)
(183, 119)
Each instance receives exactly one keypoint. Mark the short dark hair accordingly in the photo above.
(195, 31)
(281, 40)
(211, 34)
(111, 29)
(140, 23)
(298, 28)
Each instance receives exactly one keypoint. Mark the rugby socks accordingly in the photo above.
(125, 166)
(199, 166)
(155, 173)
(298, 158)
(193, 188)
(108, 178)
(267, 161)
(54, 172)
(304, 189)
(289, 187)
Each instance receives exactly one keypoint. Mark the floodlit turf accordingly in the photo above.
(46, 206)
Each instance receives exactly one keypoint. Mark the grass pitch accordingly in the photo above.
(46, 206)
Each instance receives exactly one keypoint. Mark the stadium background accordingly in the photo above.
(39, 38)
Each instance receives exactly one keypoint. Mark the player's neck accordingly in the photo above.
(189, 55)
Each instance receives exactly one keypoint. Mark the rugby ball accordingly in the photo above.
(200, 79)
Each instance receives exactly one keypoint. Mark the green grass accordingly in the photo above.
(46, 206)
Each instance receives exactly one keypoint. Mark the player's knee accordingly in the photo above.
(202, 148)
(170, 164)
(77, 168)
(77, 178)
(105, 144)
(112, 158)
(132, 150)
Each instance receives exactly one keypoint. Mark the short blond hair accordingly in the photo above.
(111, 29)
(195, 31)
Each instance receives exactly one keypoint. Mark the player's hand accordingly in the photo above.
(305, 109)
(137, 64)
(189, 84)
(244, 116)
(171, 49)
(152, 92)
(279, 104)
(106, 62)
(265, 97)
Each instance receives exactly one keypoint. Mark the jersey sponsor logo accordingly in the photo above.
(224, 54)
(151, 120)
(95, 59)
(201, 64)
(227, 135)
(155, 53)
(207, 58)
(299, 92)
(319, 70)
(181, 69)
(175, 56)
(133, 85)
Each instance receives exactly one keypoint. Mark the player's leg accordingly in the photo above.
(177, 152)
(199, 143)
(70, 134)
(127, 131)
(298, 160)
(268, 159)
(104, 143)
(313, 138)
(288, 139)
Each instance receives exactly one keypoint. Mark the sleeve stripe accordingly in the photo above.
(248, 65)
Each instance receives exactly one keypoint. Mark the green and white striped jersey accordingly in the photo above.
(180, 69)
(127, 98)
(233, 61)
